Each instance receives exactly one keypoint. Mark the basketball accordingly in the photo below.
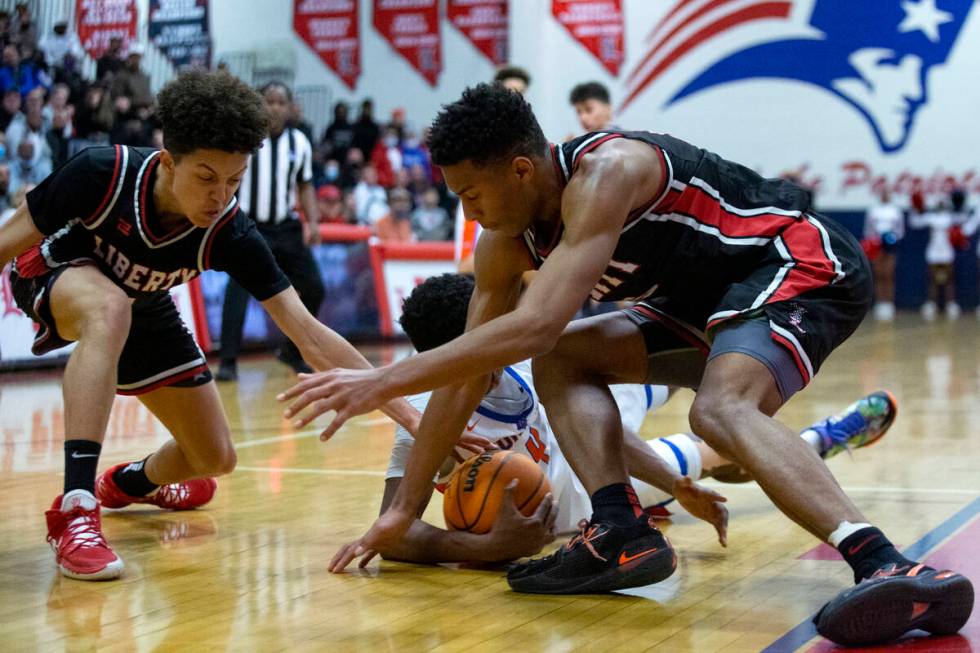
(473, 497)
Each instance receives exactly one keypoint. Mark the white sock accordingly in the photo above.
(813, 439)
(844, 529)
(82, 498)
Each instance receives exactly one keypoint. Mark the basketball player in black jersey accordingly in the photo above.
(742, 293)
(96, 247)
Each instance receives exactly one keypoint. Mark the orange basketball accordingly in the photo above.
(473, 497)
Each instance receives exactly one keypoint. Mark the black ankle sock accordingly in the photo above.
(868, 550)
(81, 461)
(616, 504)
(132, 479)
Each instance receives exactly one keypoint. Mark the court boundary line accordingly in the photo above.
(805, 631)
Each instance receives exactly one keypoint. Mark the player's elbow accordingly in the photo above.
(541, 334)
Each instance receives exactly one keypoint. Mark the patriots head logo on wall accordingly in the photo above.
(875, 55)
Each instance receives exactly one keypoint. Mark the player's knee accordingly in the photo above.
(714, 420)
(107, 317)
(548, 373)
(218, 462)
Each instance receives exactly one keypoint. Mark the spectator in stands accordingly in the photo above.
(94, 117)
(10, 107)
(30, 123)
(418, 183)
(513, 77)
(398, 123)
(396, 225)
(370, 199)
(366, 130)
(23, 75)
(4, 29)
(940, 256)
(130, 81)
(592, 106)
(414, 155)
(111, 60)
(338, 137)
(58, 43)
(30, 166)
(331, 202)
(58, 98)
(352, 169)
(23, 30)
(884, 227)
(430, 221)
(386, 157)
(68, 75)
(59, 135)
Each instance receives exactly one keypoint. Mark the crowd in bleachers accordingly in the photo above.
(379, 174)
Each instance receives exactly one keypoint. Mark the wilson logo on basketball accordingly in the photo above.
(474, 470)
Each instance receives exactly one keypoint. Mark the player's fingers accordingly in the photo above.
(342, 558)
(507, 502)
(333, 427)
(366, 558)
(544, 509)
(307, 382)
(722, 526)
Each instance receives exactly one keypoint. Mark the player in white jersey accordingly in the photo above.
(511, 418)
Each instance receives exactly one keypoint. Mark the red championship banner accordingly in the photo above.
(412, 28)
(97, 21)
(331, 29)
(484, 23)
(596, 24)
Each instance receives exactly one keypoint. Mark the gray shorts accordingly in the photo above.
(753, 337)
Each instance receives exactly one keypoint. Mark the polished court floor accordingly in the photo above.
(248, 573)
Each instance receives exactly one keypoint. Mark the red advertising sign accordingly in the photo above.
(97, 21)
(597, 25)
(412, 28)
(484, 23)
(330, 28)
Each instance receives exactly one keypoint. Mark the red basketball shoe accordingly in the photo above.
(75, 534)
(185, 495)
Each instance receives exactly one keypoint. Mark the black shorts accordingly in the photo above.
(159, 351)
(808, 326)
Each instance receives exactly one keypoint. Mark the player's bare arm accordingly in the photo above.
(324, 348)
(500, 262)
(609, 184)
(17, 234)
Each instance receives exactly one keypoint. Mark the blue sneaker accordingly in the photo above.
(861, 424)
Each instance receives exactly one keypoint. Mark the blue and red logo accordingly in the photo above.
(875, 55)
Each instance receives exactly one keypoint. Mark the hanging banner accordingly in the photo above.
(180, 29)
(412, 28)
(597, 25)
(331, 30)
(484, 23)
(97, 21)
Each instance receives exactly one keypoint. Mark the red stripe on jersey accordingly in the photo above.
(214, 232)
(704, 208)
(110, 191)
(674, 327)
(812, 270)
(170, 380)
(796, 355)
(31, 263)
(591, 146)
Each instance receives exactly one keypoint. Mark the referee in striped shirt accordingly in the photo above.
(278, 174)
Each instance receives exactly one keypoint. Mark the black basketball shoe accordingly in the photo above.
(894, 601)
(601, 558)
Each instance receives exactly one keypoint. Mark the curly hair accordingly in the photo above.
(435, 312)
(487, 125)
(589, 91)
(211, 110)
(512, 72)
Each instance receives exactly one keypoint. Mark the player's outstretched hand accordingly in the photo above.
(386, 531)
(516, 536)
(704, 504)
(349, 392)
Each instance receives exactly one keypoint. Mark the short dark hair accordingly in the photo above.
(213, 111)
(279, 85)
(589, 91)
(512, 72)
(435, 312)
(488, 124)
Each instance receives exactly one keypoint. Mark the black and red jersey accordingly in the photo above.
(712, 224)
(98, 206)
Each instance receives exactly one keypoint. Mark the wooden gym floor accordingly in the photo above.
(248, 573)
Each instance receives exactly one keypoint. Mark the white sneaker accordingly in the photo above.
(952, 311)
(928, 311)
(884, 312)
